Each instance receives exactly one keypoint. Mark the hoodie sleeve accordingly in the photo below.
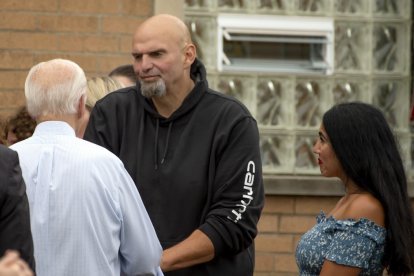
(238, 199)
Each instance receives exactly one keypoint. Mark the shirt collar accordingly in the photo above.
(55, 127)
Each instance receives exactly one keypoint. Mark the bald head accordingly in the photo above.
(54, 88)
(165, 25)
(163, 54)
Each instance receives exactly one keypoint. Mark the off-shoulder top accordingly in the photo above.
(358, 243)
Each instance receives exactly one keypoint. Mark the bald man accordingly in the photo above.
(192, 152)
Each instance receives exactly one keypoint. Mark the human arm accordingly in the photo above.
(140, 249)
(228, 226)
(234, 200)
(15, 230)
(197, 248)
(238, 195)
(332, 268)
(356, 246)
(363, 206)
(12, 265)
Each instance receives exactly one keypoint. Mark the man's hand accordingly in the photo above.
(196, 249)
(12, 265)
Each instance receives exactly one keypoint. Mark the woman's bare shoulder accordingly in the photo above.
(366, 206)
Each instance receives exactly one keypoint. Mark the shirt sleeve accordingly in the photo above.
(15, 230)
(352, 245)
(140, 249)
(238, 199)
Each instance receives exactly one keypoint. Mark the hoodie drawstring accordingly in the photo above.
(157, 126)
(167, 142)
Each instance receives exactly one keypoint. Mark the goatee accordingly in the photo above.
(153, 89)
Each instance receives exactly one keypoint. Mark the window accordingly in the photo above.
(258, 43)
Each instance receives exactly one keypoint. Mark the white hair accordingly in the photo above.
(157, 89)
(54, 88)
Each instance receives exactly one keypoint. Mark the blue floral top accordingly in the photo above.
(358, 243)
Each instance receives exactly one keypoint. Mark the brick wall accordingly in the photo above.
(284, 220)
(96, 34)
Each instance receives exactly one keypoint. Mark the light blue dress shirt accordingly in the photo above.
(87, 217)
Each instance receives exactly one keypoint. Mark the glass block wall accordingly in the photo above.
(372, 64)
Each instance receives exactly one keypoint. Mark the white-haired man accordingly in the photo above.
(87, 217)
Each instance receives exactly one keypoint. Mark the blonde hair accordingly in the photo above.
(98, 87)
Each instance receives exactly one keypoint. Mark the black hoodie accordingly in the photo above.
(198, 169)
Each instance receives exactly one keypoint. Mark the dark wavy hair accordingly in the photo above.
(367, 150)
(22, 124)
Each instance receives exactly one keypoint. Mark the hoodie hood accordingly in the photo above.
(198, 75)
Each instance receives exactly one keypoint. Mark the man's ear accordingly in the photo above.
(190, 54)
(81, 106)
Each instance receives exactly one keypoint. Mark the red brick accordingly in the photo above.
(138, 7)
(12, 80)
(274, 243)
(263, 274)
(17, 21)
(313, 205)
(41, 57)
(27, 40)
(264, 262)
(126, 44)
(296, 239)
(10, 59)
(286, 263)
(120, 24)
(279, 204)
(296, 224)
(68, 23)
(90, 6)
(5, 112)
(86, 62)
(268, 223)
(28, 5)
(88, 43)
(12, 100)
(107, 63)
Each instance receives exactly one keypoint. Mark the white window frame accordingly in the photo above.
(279, 26)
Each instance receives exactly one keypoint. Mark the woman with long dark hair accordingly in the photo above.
(371, 228)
